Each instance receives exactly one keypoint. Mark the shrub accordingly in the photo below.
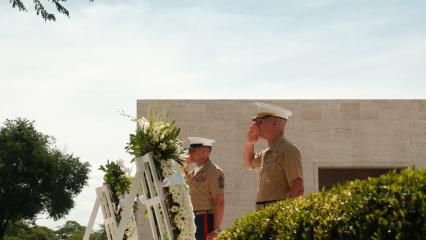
(392, 206)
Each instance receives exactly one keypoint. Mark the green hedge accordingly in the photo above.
(392, 206)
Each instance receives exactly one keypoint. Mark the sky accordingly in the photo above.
(74, 76)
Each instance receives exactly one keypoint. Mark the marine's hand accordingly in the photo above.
(253, 134)
(211, 235)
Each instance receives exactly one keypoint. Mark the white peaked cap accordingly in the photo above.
(265, 110)
(200, 141)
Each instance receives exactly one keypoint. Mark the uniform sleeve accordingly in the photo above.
(216, 182)
(256, 161)
(292, 164)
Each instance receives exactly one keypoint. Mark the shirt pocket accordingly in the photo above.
(275, 173)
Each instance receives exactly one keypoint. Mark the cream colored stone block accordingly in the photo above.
(312, 111)
(350, 111)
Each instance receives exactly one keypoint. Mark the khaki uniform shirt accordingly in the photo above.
(204, 185)
(279, 165)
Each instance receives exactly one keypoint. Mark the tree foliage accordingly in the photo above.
(41, 10)
(71, 230)
(23, 230)
(35, 177)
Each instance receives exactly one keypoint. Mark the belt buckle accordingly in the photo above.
(200, 212)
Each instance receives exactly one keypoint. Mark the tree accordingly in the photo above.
(70, 230)
(40, 10)
(25, 230)
(35, 176)
(42, 233)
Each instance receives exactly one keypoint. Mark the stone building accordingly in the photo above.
(338, 139)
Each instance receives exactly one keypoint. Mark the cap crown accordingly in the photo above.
(269, 110)
(201, 141)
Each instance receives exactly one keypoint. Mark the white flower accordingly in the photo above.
(174, 209)
(163, 146)
(126, 170)
(120, 162)
(184, 217)
(143, 124)
(131, 229)
(158, 126)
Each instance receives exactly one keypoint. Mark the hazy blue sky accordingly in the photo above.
(74, 75)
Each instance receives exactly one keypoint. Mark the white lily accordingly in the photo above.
(143, 124)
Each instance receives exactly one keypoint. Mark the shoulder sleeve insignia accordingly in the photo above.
(221, 181)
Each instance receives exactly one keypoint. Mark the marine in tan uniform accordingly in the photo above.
(206, 187)
(280, 164)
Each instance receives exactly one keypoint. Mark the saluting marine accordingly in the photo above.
(280, 164)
